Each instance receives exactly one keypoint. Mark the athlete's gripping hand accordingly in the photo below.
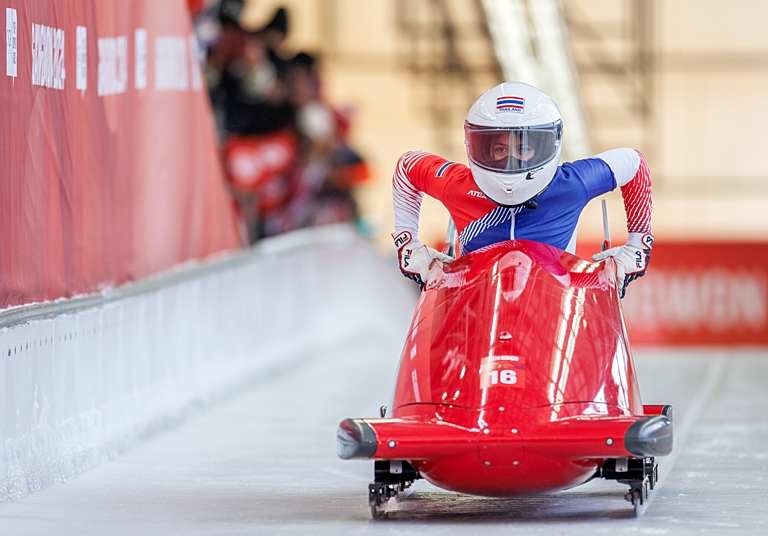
(631, 259)
(416, 258)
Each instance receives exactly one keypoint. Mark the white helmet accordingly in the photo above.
(513, 135)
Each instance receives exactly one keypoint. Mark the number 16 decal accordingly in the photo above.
(502, 371)
(506, 376)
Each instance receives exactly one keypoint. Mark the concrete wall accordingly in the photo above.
(86, 379)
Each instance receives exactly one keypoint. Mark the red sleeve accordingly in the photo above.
(417, 173)
(638, 202)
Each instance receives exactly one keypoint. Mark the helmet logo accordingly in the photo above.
(510, 104)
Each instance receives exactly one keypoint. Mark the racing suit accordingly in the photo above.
(480, 222)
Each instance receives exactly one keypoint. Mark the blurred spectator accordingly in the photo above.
(285, 148)
(242, 75)
(274, 34)
(224, 45)
(255, 120)
(330, 168)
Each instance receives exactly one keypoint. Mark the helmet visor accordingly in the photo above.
(512, 150)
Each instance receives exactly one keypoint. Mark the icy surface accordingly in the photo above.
(265, 463)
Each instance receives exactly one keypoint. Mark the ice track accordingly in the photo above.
(265, 463)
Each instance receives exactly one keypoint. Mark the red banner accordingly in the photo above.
(109, 164)
(708, 293)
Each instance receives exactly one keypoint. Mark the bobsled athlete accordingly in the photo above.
(515, 187)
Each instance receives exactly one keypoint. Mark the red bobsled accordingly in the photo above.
(516, 379)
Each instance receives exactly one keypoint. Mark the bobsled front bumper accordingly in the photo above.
(411, 439)
(402, 439)
(649, 436)
(355, 439)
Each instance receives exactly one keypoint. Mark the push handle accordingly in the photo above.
(451, 239)
(606, 229)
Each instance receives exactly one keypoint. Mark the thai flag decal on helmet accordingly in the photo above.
(510, 104)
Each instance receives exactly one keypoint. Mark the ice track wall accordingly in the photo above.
(83, 380)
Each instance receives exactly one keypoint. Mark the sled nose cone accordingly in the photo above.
(651, 436)
(355, 439)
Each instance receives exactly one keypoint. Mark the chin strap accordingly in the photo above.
(531, 203)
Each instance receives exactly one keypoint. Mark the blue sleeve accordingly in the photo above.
(594, 174)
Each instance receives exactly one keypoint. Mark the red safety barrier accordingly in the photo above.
(108, 155)
(708, 293)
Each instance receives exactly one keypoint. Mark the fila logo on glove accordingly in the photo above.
(407, 257)
(416, 259)
(641, 259)
(647, 240)
(402, 239)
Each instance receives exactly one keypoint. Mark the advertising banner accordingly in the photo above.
(109, 169)
(699, 294)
